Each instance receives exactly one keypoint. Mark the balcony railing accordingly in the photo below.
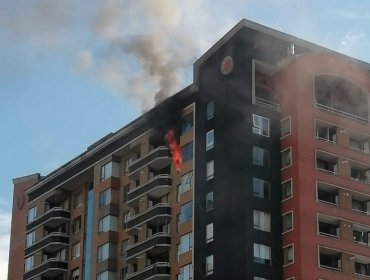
(339, 112)
(49, 269)
(155, 245)
(52, 242)
(156, 187)
(156, 271)
(157, 159)
(52, 218)
(267, 103)
(157, 214)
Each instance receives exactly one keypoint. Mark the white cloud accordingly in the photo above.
(350, 41)
(5, 222)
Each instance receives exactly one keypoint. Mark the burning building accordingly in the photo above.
(258, 170)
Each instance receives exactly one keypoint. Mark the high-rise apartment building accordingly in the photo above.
(258, 170)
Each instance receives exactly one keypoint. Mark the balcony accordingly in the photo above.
(53, 218)
(155, 159)
(326, 162)
(360, 204)
(158, 214)
(326, 132)
(362, 267)
(328, 226)
(157, 271)
(154, 245)
(263, 97)
(156, 187)
(327, 194)
(330, 259)
(360, 173)
(51, 243)
(361, 235)
(359, 143)
(49, 269)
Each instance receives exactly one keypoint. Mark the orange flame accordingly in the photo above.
(174, 149)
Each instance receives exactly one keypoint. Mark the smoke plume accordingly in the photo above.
(146, 66)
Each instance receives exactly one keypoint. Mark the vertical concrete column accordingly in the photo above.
(345, 199)
(346, 232)
(344, 169)
(348, 263)
(342, 136)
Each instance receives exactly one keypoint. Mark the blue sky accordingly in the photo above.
(73, 71)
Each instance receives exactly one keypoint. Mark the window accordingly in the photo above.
(209, 265)
(209, 233)
(31, 216)
(186, 243)
(261, 220)
(210, 138)
(210, 170)
(105, 197)
(75, 250)
(186, 183)
(124, 272)
(106, 171)
(286, 188)
(76, 224)
(105, 251)
(285, 126)
(259, 278)
(77, 199)
(124, 247)
(107, 223)
(127, 164)
(210, 110)
(30, 238)
(261, 156)
(106, 275)
(261, 188)
(187, 123)
(186, 212)
(28, 264)
(287, 221)
(209, 201)
(187, 152)
(288, 254)
(126, 216)
(261, 125)
(75, 274)
(186, 272)
(262, 253)
(286, 158)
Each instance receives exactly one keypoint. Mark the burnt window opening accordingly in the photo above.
(341, 97)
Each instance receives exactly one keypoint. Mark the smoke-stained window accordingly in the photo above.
(210, 110)
(288, 254)
(287, 221)
(261, 125)
(209, 233)
(210, 138)
(261, 188)
(285, 126)
(187, 123)
(209, 201)
(187, 152)
(261, 156)
(286, 189)
(209, 265)
(261, 220)
(286, 158)
(210, 170)
(262, 253)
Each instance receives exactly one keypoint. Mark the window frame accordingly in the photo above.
(266, 185)
(210, 170)
(210, 110)
(258, 125)
(261, 217)
(182, 218)
(283, 166)
(284, 229)
(210, 139)
(282, 121)
(76, 250)
(291, 189)
(289, 246)
(105, 197)
(31, 214)
(209, 233)
(209, 264)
